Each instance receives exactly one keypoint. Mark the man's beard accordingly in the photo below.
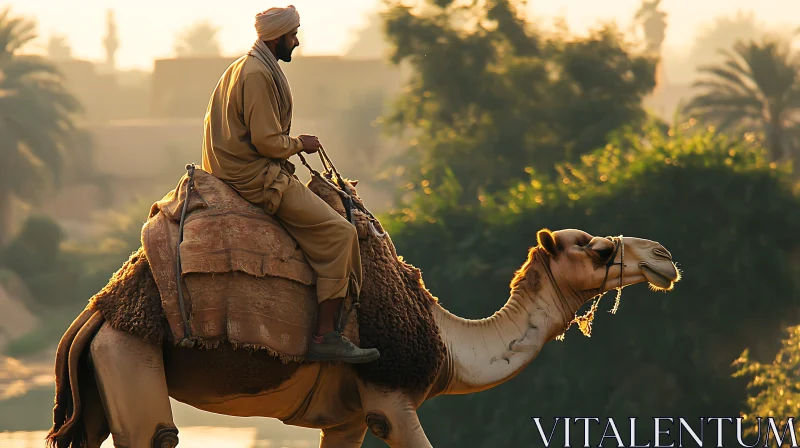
(283, 52)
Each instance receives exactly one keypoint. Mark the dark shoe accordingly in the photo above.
(335, 347)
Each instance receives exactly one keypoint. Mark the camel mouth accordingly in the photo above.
(658, 280)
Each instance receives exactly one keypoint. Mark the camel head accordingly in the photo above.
(564, 271)
(584, 265)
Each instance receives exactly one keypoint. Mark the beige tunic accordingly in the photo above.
(246, 144)
(246, 138)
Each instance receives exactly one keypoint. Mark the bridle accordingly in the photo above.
(619, 247)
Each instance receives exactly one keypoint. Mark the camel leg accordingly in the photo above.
(392, 417)
(133, 387)
(348, 435)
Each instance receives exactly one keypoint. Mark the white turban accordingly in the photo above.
(275, 22)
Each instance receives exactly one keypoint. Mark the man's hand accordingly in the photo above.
(310, 143)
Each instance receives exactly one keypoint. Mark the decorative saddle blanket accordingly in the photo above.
(245, 279)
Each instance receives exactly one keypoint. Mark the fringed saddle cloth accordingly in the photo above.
(246, 279)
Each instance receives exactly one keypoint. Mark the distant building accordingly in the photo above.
(320, 84)
(181, 87)
(102, 95)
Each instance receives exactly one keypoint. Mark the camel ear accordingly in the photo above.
(547, 241)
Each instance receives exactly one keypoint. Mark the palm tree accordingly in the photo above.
(111, 40)
(755, 89)
(36, 126)
(654, 24)
(200, 39)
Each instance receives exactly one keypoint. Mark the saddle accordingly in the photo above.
(243, 278)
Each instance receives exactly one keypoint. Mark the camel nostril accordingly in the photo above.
(661, 252)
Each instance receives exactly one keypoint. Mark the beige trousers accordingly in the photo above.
(329, 242)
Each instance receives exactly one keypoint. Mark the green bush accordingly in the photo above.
(35, 255)
(730, 220)
(775, 386)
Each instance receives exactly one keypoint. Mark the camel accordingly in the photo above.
(117, 384)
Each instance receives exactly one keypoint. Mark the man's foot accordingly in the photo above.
(335, 347)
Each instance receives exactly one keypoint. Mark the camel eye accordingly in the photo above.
(604, 252)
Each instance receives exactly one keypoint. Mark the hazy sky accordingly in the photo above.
(147, 28)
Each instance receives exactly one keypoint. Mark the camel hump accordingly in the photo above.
(245, 279)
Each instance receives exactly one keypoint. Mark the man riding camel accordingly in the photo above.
(247, 145)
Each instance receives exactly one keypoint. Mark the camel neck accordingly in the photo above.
(487, 352)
